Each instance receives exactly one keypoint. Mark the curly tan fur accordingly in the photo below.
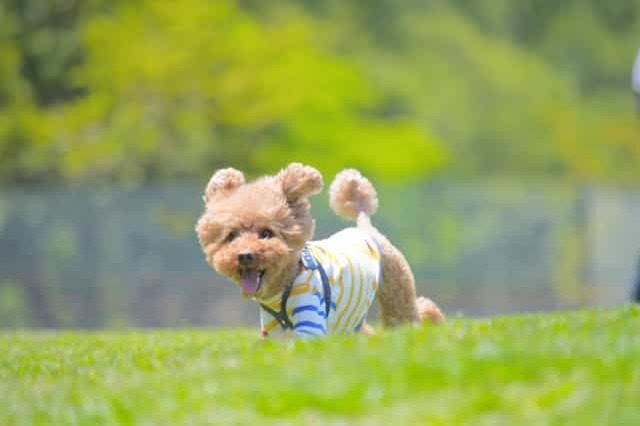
(221, 182)
(245, 212)
(299, 181)
(351, 193)
(428, 310)
(270, 219)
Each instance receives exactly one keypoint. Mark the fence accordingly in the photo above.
(114, 257)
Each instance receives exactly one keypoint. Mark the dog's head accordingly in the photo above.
(253, 232)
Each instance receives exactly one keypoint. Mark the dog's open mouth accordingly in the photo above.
(251, 280)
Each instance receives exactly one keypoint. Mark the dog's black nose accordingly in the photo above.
(245, 258)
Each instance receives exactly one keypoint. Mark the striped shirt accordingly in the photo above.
(352, 262)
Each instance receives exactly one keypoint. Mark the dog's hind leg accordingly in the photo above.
(352, 196)
(396, 292)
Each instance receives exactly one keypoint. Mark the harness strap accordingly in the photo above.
(281, 317)
(310, 263)
(326, 289)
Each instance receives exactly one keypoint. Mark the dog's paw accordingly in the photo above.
(428, 310)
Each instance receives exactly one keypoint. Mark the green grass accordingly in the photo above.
(577, 368)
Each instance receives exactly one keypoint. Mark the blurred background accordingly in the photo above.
(502, 137)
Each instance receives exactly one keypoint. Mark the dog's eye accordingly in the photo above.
(232, 236)
(266, 234)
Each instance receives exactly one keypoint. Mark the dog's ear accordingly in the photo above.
(299, 181)
(223, 181)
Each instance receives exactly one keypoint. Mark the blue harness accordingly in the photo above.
(309, 262)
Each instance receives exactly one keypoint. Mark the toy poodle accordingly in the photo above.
(259, 234)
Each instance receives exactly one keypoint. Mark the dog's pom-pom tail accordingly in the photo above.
(351, 195)
(429, 311)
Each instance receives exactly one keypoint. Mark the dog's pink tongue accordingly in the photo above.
(250, 281)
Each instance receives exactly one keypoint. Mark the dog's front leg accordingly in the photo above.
(367, 330)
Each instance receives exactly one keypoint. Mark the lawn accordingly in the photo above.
(574, 368)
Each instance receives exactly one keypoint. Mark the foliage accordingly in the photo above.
(173, 90)
(581, 370)
(133, 91)
(520, 89)
(39, 45)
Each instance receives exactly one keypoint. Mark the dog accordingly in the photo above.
(259, 234)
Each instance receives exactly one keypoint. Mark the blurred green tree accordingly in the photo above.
(529, 89)
(138, 90)
(39, 44)
(179, 89)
